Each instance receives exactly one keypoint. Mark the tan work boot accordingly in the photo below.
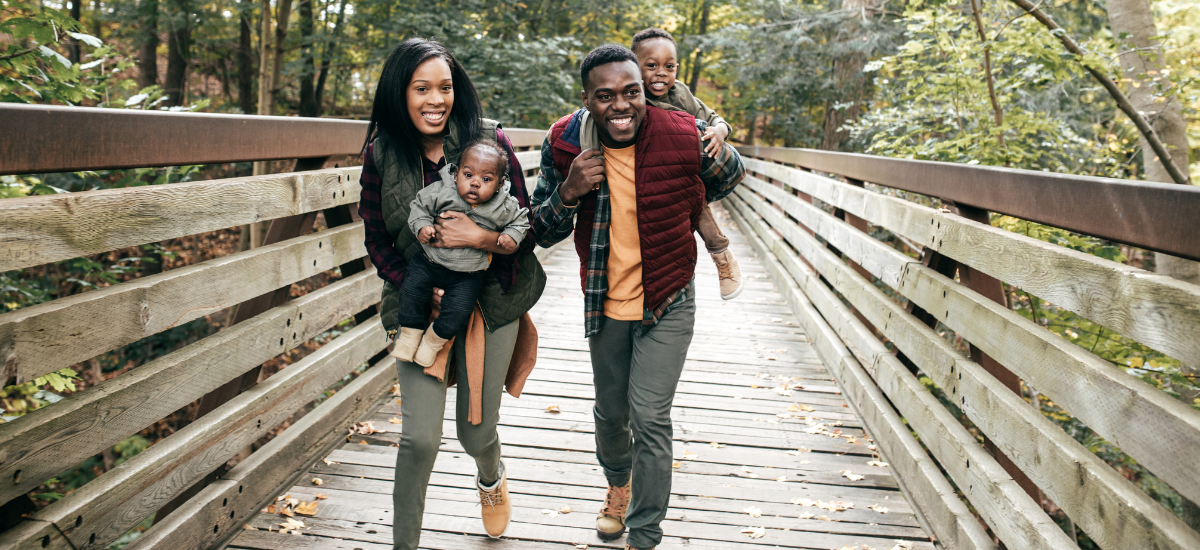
(406, 344)
(431, 344)
(730, 273)
(610, 524)
(497, 509)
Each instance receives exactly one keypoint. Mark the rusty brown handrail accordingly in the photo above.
(1155, 216)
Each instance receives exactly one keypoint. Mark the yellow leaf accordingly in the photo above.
(319, 496)
(307, 508)
(553, 409)
(851, 475)
(676, 464)
(716, 445)
(396, 391)
(753, 511)
(395, 420)
(317, 481)
(564, 510)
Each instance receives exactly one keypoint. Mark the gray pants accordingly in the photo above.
(635, 373)
(423, 405)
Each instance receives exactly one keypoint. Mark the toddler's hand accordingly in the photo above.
(507, 243)
(717, 134)
(426, 234)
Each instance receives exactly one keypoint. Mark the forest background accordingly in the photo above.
(968, 81)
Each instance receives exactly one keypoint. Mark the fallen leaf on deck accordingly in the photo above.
(806, 516)
(902, 545)
(737, 396)
(395, 420)
(328, 462)
(753, 511)
(878, 464)
(772, 421)
(307, 508)
(396, 390)
(804, 502)
(319, 496)
(781, 478)
(317, 481)
(835, 505)
(754, 386)
(688, 455)
(784, 416)
(805, 462)
(365, 428)
(581, 546)
(553, 409)
(550, 513)
(794, 453)
(676, 464)
(851, 475)
(754, 532)
(362, 442)
(878, 508)
(564, 510)
(716, 445)
(397, 400)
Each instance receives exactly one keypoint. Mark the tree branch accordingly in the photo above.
(1143, 126)
(976, 7)
(17, 54)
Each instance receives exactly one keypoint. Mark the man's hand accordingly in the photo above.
(587, 171)
(717, 134)
(507, 243)
(426, 234)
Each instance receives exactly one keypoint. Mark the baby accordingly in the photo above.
(655, 49)
(474, 188)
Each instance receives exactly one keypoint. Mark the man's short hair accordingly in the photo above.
(603, 55)
(648, 34)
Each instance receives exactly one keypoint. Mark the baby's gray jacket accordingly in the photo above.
(500, 213)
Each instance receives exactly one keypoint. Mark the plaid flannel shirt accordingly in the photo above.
(553, 221)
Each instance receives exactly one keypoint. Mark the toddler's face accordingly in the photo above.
(478, 175)
(656, 59)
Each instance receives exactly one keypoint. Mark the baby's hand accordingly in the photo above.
(717, 134)
(507, 243)
(426, 234)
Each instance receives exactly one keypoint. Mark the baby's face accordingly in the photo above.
(478, 175)
(656, 59)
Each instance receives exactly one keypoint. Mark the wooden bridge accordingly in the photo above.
(800, 420)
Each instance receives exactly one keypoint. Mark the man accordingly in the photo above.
(631, 181)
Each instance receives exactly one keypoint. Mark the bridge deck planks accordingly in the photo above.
(550, 462)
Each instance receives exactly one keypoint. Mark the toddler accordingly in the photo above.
(474, 188)
(655, 49)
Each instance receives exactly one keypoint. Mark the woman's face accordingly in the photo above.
(431, 96)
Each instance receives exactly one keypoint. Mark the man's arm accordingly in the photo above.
(552, 220)
(721, 172)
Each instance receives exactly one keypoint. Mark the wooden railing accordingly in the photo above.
(849, 290)
(183, 474)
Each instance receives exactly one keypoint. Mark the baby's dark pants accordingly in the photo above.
(461, 292)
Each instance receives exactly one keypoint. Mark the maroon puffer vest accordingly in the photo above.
(670, 197)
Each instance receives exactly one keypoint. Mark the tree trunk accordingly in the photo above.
(96, 30)
(327, 57)
(698, 64)
(245, 60)
(308, 99)
(282, 16)
(73, 46)
(148, 49)
(178, 52)
(849, 79)
(1134, 20)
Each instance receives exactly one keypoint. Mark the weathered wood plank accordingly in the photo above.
(50, 440)
(38, 230)
(1113, 511)
(217, 513)
(1117, 406)
(1158, 311)
(938, 504)
(105, 509)
(47, 337)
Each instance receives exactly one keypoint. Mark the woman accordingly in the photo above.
(425, 111)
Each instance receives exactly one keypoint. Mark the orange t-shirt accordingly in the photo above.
(625, 294)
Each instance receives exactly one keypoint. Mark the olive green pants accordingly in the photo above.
(423, 406)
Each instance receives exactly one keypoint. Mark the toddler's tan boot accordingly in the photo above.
(497, 509)
(730, 274)
(406, 344)
(610, 524)
(431, 344)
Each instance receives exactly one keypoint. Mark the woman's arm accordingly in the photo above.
(390, 264)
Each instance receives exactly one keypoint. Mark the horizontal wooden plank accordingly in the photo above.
(49, 228)
(218, 513)
(525, 137)
(1152, 215)
(1158, 311)
(1108, 507)
(54, 335)
(50, 440)
(529, 160)
(934, 498)
(1117, 406)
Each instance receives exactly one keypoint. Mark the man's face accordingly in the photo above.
(613, 95)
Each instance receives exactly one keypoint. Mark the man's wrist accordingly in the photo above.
(567, 201)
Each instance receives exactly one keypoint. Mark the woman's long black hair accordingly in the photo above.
(389, 113)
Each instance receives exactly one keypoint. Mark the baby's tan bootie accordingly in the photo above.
(406, 344)
(431, 344)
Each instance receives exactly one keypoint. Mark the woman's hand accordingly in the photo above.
(456, 230)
